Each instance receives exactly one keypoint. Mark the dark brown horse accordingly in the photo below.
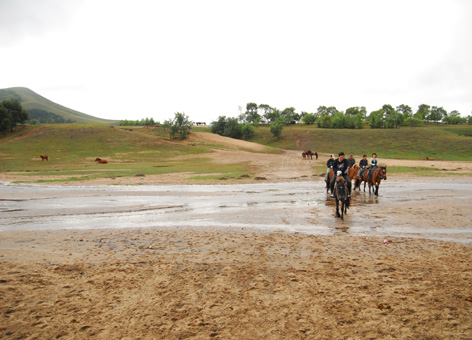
(364, 178)
(44, 157)
(377, 176)
(341, 195)
(101, 161)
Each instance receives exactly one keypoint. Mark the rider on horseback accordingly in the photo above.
(374, 164)
(362, 165)
(341, 164)
(329, 164)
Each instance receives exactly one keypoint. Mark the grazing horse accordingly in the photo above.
(353, 174)
(340, 194)
(44, 157)
(101, 161)
(377, 176)
(310, 154)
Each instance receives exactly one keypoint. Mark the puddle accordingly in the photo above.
(401, 209)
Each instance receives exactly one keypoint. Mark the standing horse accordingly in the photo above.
(364, 178)
(377, 176)
(309, 153)
(44, 157)
(341, 195)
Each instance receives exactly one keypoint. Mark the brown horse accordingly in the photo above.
(44, 157)
(377, 176)
(309, 154)
(101, 161)
(330, 176)
(353, 174)
(365, 177)
(341, 195)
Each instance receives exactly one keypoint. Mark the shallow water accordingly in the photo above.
(292, 206)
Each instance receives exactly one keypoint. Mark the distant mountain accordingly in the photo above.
(45, 111)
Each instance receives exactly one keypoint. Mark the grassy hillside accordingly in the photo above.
(31, 101)
(443, 142)
(72, 149)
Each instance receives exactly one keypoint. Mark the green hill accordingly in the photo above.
(45, 110)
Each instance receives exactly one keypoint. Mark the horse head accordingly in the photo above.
(383, 172)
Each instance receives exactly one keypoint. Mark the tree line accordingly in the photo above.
(11, 114)
(143, 122)
(354, 117)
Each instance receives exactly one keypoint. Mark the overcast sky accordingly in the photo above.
(135, 59)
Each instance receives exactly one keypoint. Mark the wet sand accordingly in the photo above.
(231, 284)
(247, 282)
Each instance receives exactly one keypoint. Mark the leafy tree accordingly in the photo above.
(353, 111)
(405, 111)
(233, 129)
(454, 117)
(324, 121)
(436, 114)
(251, 115)
(309, 118)
(276, 129)
(376, 119)
(272, 115)
(423, 112)
(16, 114)
(323, 111)
(179, 126)
(218, 126)
(247, 131)
(289, 116)
(390, 115)
(5, 118)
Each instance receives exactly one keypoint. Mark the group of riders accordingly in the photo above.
(344, 165)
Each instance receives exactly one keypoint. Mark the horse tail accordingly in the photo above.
(348, 202)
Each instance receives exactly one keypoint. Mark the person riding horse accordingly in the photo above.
(351, 160)
(341, 164)
(374, 164)
(329, 165)
(363, 165)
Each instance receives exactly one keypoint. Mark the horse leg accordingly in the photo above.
(342, 210)
(337, 208)
(376, 190)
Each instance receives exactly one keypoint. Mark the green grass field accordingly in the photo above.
(452, 143)
(133, 151)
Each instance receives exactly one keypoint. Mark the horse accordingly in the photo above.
(341, 195)
(364, 179)
(101, 161)
(44, 157)
(309, 153)
(330, 176)
(429, 159)
(353, 174)
(377, 176)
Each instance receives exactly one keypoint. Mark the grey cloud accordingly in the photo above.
(23, 18)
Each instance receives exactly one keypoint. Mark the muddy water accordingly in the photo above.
(426, 208)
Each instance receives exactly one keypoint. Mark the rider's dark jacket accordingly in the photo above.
(351, 161)
(330, 162)
(363, 163)
(342, 166)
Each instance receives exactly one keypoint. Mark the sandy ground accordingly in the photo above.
(225, 283)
